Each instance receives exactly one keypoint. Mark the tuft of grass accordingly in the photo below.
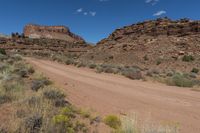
(2, 51)
(188, 58)
(53, 94)
(40, 82)
(84, 113)
(112, 121)
(195, 70)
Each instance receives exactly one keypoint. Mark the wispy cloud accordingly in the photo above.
(85, 13)
(92, 13)
(159, 13)
(152, 2)
(103, 0)
(79, 10)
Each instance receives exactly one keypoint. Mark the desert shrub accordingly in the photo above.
(31, 70)
(60, 119)
(195, 70)
(3, 67)
(16, 57)
(79, 126)
(69, 61)
(69, 111)
(81, 64)
(84, 113)
(92, 66)
(132, 73)
(188, 58)
(158, 62)
(5, 99)
(3, 130)
(107, 68)
(33, 101)
(2, 51)
(63, 124)
(40, 83)
(23, 73)
(129, 125)
(36, 85)
(33, 123)
(152, 72)
(53, 94)
(3, 57)
(193, 75)
(146, 58)
(112, 121)
(180, 80)
(61, 103)
(13, 86)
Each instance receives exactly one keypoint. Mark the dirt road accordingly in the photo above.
(108, 93)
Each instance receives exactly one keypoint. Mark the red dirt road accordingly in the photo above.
(108, 93)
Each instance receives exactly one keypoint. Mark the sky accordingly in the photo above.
(91, 19)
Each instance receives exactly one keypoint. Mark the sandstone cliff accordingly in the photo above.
(51, 32)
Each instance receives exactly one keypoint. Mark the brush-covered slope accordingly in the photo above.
(158, 43)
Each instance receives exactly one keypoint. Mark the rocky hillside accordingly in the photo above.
(45, 39)
(51, 32)
(162, 43)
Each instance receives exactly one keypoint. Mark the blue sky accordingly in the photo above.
(91, 19)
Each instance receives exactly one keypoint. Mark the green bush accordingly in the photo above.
(112, 121)
(132, 73)
(188, 58)
(53, 94)
(5, 99)
(92, 66)
(180, 80)
(69, 62)
(33, 123)
(2, 51)
(107, 68)
(81, 64)
(195, 70)
(158, 62)
(40, 83)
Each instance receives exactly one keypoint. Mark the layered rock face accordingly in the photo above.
(51, 32)
(162, 26)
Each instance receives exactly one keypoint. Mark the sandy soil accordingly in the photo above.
(108, 93)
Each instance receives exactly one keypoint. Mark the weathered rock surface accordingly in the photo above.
(51, 32)
(162, 26)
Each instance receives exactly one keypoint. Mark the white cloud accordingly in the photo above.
(93, 13)
(85, 13)
(79, 10)
(159, 13)
(103, 0)
(152, 2)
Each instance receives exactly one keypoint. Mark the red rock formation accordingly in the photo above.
(51, 32)
(162, 26)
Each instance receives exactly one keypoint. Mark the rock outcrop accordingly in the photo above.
(51, 32)
(162, 26)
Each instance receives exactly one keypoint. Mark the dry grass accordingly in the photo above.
(130, 124)
(42, 111)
